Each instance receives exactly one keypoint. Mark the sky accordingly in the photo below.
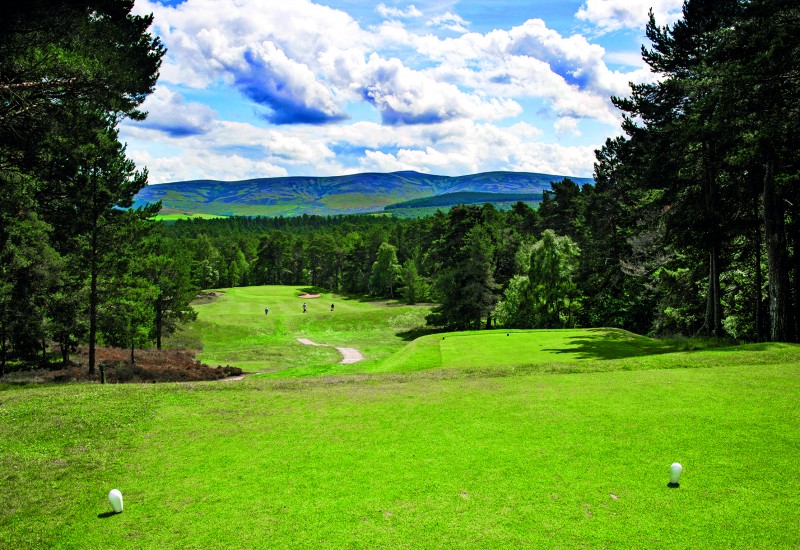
(268, 88)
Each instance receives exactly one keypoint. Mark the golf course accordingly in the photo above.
(488, 439)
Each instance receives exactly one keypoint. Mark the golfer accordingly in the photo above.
(304, 307)
(266, 311)
(331, 307)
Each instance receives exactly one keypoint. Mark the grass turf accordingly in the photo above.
(409, 460)
(465, 442)
(234, 330)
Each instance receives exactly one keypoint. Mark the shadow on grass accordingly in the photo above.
(612, 345)
(105, 515)
(416, 332)
(367, 299)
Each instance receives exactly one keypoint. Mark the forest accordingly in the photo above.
(691, 227)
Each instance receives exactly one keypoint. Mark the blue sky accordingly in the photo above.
(264, 88)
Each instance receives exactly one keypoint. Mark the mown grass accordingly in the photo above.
(497, 439)
(236, 331)
(417, 460)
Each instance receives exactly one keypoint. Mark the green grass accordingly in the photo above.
(185, 216)
(540, 439)
(409, 460)
(235, 331)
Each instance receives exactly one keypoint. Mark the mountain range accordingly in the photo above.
(349, 194)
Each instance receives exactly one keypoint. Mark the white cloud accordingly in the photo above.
(533, 61)
(567, 125)
(168, 112)
(463, 147)
(449, 21)
(270, 51)
(404, 96)
(612, 15)
(409, 12)
(190, 165)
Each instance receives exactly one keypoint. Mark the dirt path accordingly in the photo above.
(349, 355)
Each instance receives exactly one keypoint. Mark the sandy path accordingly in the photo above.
(349, 355)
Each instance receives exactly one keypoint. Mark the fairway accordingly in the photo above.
(234, 330)
(489, 439)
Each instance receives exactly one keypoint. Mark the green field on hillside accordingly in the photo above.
(491, 439)
(172, 216)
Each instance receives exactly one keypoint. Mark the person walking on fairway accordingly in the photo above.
(304, 307)
(266, 311)
(331, 307)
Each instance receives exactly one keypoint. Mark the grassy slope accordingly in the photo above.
(488, 452)
(291, 196)
(236, 331)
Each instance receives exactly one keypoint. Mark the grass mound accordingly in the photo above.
(504, 348)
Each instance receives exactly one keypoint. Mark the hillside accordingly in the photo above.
(426, 206)
(355, 193)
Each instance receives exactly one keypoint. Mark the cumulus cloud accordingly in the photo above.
(409, 12)
(463, 147)
(533, 61)
(612, 15)
(567, 125)
(271, 52)
(304, 67)
(404, 96)
(289, 89)
(449, 21)
(168, 112)
(189, 165)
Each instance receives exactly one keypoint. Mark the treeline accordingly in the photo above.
(692, 226)
(702, 191)
(465, 197)
(76, 264)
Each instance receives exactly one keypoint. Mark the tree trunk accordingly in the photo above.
(708, 322)
(717, 331)
(64, 353)
(159, 322)
(777, 261)
(759, 283)
(93, 301)
(713, 321)
(2, 349)
(795, 305)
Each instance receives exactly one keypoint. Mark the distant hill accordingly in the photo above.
(356, 193)
(466, 197)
